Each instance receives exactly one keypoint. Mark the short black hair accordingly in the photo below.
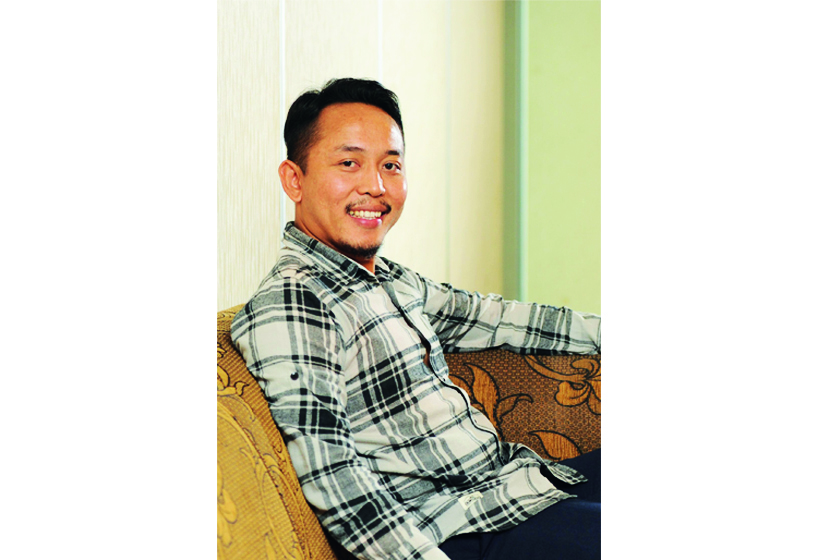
(300, 132)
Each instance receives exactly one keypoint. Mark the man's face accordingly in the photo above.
(354, 187)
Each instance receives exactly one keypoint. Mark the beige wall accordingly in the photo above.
(442, 58)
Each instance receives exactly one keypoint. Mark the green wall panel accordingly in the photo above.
(563, 185)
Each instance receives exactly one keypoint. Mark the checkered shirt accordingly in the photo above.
(389, 453)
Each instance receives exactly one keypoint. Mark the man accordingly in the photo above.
(348, 348)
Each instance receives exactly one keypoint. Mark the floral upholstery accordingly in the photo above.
(550, 403)
(261, 510)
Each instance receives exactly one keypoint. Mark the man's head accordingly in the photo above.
(345, 170)
(301, 130)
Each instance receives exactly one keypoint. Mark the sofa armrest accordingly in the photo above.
(552, 404)
(261, 509)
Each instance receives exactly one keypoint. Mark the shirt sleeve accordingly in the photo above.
(468, 321)
(291, 344)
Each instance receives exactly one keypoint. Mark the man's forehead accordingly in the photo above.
(344, 126)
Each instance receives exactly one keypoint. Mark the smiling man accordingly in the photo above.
(348, 348)
(350, 186)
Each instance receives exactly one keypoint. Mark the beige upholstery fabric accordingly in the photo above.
(261, 509)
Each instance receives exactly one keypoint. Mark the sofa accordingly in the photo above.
(550, 403)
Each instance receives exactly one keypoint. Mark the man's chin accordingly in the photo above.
(358, 253)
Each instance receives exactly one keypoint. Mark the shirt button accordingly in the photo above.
(295, 375)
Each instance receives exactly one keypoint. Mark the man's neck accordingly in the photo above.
(370, 265)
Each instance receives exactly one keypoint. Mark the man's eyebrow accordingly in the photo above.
(347, 148)
(351, 148)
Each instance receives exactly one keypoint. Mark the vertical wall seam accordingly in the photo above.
(448, 142)
(522, 164)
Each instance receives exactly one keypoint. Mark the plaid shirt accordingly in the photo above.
(389, 453)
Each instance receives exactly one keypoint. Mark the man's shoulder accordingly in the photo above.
(292, 266)
(290, 271)
(293, 282)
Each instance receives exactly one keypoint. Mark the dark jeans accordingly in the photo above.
(568, 530)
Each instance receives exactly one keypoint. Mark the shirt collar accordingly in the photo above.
(296, 239)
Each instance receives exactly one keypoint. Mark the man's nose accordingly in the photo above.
(372, 184)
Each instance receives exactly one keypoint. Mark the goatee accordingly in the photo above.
(358, 253)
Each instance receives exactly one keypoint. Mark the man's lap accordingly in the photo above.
(569, 529)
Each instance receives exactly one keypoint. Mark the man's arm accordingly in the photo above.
(466, 321)
(291, 345)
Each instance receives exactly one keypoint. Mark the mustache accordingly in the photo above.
(367, 202)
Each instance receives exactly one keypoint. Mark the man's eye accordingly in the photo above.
(391, 166)
(347, 163)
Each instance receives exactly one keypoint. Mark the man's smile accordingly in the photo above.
(364, 214)
(368, 214)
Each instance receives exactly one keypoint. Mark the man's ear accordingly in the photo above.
(290, 177)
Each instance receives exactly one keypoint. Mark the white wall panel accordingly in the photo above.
(414, 65)
(476, 176)
(329, 39)
(250, 146)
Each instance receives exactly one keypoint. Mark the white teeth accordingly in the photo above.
(365, 214)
